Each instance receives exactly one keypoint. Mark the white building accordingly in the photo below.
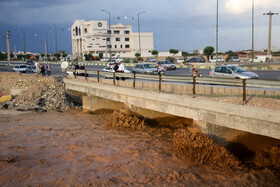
(91, 37)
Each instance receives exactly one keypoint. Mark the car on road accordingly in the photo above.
(220, 59)
(167, 65)
(196, 59)
(22, 68)
(31, 69)
(234, 59)
(144, 68)
(110, 68)
(29, 63)
(150, 60)
(232, 71)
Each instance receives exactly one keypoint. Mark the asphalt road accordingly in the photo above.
(56, 70)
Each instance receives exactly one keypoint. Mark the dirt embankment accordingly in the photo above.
(40, 93)
(193, 145)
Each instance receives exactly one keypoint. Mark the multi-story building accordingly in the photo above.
(93, 37)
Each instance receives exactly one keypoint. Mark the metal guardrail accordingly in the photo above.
(244, 83)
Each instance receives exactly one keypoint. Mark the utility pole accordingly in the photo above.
(8, 46)
(269, 31)
(139, 32)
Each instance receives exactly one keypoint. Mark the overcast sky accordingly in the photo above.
(181, 24)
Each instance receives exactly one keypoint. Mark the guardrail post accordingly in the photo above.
(134, 77)
(114, 78)
(75, 74)
(159, 82)
(244, 91)
(97, 76)
(85, 74)
(193, 86)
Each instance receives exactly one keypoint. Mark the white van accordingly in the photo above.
(260, 59)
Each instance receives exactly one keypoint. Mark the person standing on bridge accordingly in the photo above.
(49, 69)
(121, 67)
(37, 67)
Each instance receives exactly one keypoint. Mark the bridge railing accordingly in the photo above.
(244, 83)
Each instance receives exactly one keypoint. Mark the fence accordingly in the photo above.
(193, 80)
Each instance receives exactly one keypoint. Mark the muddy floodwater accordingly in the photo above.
(75, 148)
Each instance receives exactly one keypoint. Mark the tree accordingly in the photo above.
(155, 53)
(100, 55)
(208, 51)
(173, 51)
(185, 54)
(137, 55)
(57, 55)
(64, 55)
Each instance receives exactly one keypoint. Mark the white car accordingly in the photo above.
(110, 68)
(220, 59)
(105, 59)
(22, 68)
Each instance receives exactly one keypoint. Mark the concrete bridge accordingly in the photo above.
(205, 113)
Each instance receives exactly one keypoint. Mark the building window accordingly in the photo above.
(118, 39)
(85, 30)
(109, 31)
(116, 32)
(108, 39)
(121, 46)
(115, 46)
(89, 46)
(126, 46)
(127, 39)
(109, 46)
(126, 32)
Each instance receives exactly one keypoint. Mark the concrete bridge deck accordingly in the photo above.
(244, 118)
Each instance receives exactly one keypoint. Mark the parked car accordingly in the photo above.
(110, 68)
(180, 60)
(220, 59)
(144, 68)
(166, 64)
(150, 60)
(234, 59)
(116, 59)
(20, 68)
(29, 62)
(196, 59)
(105, 59)
(232, 71)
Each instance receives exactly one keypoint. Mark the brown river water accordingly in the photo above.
(75, 148)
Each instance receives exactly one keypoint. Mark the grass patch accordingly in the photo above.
(259, 68)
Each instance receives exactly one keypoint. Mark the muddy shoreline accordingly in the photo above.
(77, 148)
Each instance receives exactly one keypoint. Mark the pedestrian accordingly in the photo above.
(116, 67)
(121, 67)
(37, 65)
(160, 69)
(194, 71)
(49, 69)
(43, 70)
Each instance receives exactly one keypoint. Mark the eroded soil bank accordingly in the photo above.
(76, 148)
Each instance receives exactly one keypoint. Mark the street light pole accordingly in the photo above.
(109, 32)
(55, 36)
(253, 31)
(24, 42)
(269, 31)
(139, 31)
(217, 24)
(8, 46)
